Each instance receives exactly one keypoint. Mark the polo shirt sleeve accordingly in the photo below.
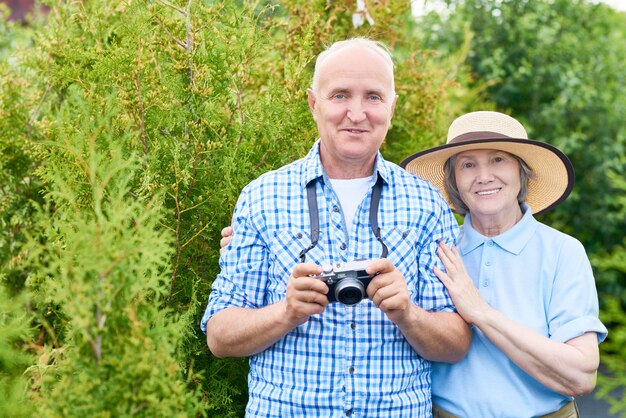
(433, 295)
(573, 306)
(243, 266)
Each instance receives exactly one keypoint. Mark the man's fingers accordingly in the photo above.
(306, 270)
(227, 237)
(305, 284)
(379, 266)
(311, 296)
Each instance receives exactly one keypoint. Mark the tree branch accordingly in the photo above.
(142, 115)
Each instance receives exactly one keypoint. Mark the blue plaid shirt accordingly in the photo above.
(350, 360)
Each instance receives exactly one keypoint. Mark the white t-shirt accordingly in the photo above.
(350, 193)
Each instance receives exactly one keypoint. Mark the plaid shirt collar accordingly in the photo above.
(313, 168)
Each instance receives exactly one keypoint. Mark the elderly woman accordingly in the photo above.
(527, 289)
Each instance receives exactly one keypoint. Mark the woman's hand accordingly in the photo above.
(466, 297)
(227, 237)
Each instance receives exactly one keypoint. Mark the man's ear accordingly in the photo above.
(312, 99)
(393, 105)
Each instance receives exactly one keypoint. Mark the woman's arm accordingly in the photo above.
(568, 368)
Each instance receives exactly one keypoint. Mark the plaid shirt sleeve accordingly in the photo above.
(244, 267)
(419, 210)
(433, 295)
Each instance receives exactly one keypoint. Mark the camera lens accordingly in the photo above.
(349, 291)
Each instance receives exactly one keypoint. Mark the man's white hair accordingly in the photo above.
(376, 46)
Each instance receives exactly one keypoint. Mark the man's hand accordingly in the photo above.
(436, 336)
(388, 290)
(238, 332)
(306, 295)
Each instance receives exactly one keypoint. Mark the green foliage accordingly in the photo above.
(18, 187)
(14, 357)
(613, 265)
(20, 96)
(128, 131)
(559, 67)
(611, 384)
(99, 255)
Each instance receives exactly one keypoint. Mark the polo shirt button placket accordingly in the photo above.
(487, 274)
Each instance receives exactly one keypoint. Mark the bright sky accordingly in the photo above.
(420, 5)
(617, 4)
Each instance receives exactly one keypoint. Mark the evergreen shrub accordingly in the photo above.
(128, 130)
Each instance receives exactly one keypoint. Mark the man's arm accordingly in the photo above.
(436, 336)
(238, 332)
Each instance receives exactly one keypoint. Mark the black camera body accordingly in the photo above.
(346, 282)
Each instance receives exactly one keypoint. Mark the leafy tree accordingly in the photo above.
(558, 66)
(100, 255)
(613, 264)
(560, 74)
(14, 357)
(20, 95)
(18, 187)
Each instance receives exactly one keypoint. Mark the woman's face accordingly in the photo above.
(488, 182)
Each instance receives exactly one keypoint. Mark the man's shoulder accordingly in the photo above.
(287, 173)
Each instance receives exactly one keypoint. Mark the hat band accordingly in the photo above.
(472, 136)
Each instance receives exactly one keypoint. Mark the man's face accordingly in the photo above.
(352, 107)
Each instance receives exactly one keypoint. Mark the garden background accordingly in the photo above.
(128, 128)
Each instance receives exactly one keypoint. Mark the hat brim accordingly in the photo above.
(553, 173)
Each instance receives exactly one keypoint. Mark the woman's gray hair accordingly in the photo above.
(377, 46)
(525, 174)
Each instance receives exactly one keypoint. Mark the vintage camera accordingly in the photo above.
(346, 281)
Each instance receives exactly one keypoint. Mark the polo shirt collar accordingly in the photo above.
(513, 240)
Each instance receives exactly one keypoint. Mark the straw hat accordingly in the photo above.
(553, 172)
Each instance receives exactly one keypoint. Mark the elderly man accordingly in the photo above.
(316, 348)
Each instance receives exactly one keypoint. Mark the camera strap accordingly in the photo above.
(378, 188)
(311, 195)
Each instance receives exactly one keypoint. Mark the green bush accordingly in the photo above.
(128, 131)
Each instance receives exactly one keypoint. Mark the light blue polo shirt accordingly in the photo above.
(538, 277)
